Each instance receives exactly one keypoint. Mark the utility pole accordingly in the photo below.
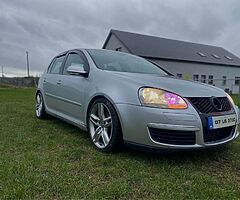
(27, 64)
(2, 72)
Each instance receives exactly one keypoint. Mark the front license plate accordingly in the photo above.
(222, 121)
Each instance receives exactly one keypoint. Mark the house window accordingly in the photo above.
(210, 79)
(195, 77)
(119, 49)
(237, 80)
(179, 75)
(224, 80)
(203, 78)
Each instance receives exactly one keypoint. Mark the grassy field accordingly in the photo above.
(236, 99)
(53, 160)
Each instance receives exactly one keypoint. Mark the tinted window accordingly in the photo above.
(122, 62)
(56, 66)
(74, 59)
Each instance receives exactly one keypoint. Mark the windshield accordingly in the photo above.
(122, 62)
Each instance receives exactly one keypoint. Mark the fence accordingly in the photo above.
(231, 86)
(19, 81)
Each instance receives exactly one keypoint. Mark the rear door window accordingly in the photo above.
(56, 66)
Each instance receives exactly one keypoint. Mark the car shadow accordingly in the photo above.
(172, 157)
(179, 156)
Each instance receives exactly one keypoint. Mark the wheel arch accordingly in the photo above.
(39, 90)
(43, 96)
(98, 96)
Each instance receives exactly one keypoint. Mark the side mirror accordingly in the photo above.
(76, 70)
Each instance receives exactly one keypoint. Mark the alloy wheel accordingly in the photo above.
(39, 104)
(100, 125)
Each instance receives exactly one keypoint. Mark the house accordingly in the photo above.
(191, 61)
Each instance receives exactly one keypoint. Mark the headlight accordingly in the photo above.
(161, 98)
(230, 99)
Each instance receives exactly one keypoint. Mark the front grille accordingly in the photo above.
(173, 137)
(216, 135)
(204, 105)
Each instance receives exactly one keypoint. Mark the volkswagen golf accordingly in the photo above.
(124, 99)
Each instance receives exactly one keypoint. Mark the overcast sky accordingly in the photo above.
(48, 27)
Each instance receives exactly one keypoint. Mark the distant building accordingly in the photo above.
(190, 61)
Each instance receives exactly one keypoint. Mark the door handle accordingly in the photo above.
(59, 82)
(44, 80)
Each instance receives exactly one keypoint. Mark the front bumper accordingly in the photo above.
(137, 120)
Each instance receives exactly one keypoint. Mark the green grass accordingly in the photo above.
(236, 99)
(49, 159)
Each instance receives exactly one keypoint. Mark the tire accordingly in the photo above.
(104, 127)
(40, 108)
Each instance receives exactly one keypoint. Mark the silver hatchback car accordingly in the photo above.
(121, 98)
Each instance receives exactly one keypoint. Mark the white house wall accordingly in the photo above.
(218, 71)
(189, 69)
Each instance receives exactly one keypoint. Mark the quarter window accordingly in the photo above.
(75, 60)
(56, 66)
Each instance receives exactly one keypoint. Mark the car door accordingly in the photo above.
(51, 84)
(73, 87)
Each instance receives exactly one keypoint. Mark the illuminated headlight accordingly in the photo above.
(161, 98)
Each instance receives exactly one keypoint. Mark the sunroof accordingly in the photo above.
(216, 56)
(201, 54)
(228, 57)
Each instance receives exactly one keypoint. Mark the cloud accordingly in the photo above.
(46, 28)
